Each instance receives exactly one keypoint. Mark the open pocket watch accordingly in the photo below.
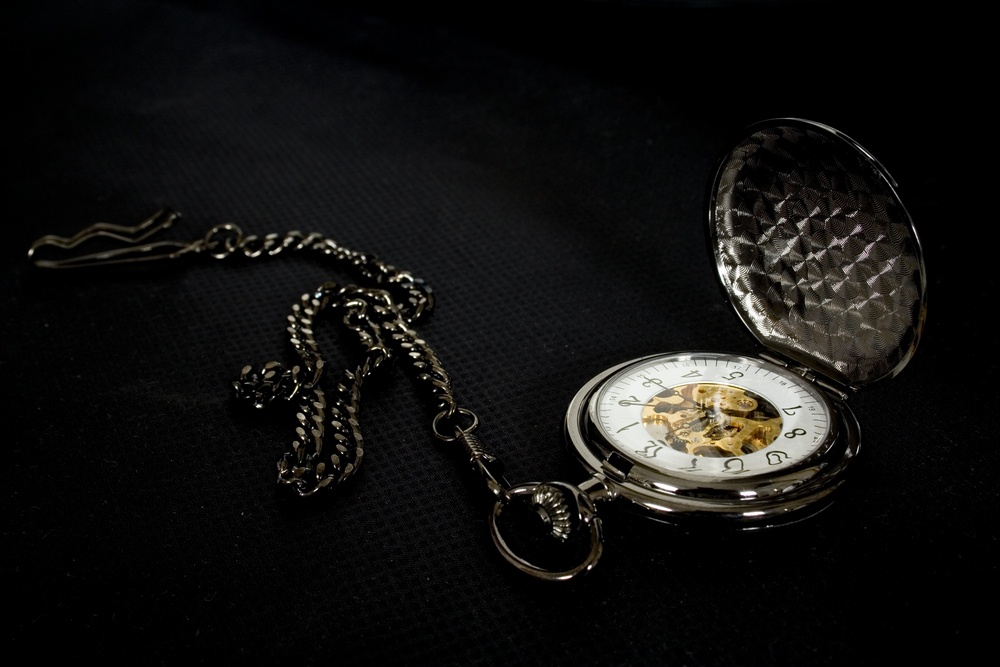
(820, 261)
(822, 264)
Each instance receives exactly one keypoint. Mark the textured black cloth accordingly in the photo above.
(545, 167)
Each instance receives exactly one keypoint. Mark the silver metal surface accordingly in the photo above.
(817, 253)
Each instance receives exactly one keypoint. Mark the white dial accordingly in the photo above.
(711, 415)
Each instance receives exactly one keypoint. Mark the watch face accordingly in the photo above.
(702, 435)
(711, 415)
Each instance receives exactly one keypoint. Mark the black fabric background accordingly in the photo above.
(544, 166)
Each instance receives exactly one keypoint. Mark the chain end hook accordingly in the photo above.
(133, 250)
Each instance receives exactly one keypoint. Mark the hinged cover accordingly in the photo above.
(816, 252)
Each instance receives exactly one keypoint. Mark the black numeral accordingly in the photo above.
(776, 457)
(735, 466)
(631, 400)
(649, 451)
(649, 382)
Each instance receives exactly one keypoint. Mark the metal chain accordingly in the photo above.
(380, 312)
(320, 459)
(415, 298)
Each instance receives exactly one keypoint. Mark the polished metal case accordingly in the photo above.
(821, 262)
(816, 252)
(750, 501)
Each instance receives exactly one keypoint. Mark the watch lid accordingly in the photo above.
(816, 252)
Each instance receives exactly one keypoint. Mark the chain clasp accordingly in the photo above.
(569, 513)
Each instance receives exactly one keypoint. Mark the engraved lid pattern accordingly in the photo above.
(817, 253)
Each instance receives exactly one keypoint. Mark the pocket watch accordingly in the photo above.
(822, 264)
(814, 251)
